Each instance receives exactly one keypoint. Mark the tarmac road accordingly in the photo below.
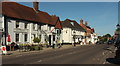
(87, 54)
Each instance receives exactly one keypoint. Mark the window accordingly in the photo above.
(17, 24)
(17, 37)
(60, 31)
(33, 26)
(39, 27)
(49, 27)
(72, 23)
(39, 36)
(25, 37)
(53, 37)
(34, 35)
(25, 25)
(57, 31)
(66, 31)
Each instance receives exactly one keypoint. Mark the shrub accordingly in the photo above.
(36, 47)
(36, 40)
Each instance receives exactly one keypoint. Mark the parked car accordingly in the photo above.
(99, 42)
(110, 42)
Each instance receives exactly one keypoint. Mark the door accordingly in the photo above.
(49, 39)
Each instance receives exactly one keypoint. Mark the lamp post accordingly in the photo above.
(118, 32)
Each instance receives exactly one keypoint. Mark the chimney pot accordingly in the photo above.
(86, 23)
(81, 21)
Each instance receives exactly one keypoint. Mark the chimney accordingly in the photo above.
(86, 23)
(36, 5)
(81, 21)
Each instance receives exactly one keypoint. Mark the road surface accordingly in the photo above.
(87, 54)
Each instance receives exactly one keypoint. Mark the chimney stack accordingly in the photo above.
(81, 21)
(86, 23)
(36, 5)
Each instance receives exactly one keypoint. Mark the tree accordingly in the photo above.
(118, 29)
(107, 35)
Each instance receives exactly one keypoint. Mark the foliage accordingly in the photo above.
(23, 44)
(105, 37)
(36, 40)
(118, 29)
(36, 47)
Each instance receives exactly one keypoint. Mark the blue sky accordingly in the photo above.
(103, 16)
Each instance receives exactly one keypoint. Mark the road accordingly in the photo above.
(87, 54)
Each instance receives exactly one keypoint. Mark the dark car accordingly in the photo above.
(99, 42)
(110, 42)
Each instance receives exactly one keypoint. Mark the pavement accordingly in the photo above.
(17, 52)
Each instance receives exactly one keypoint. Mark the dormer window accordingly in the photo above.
(25, 25)
(72, 23)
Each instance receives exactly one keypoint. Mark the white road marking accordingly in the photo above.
(39, 61)
(104, 62)
(103, 53)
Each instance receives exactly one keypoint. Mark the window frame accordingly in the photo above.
(17, 37)
(25, 37)
(17, 24)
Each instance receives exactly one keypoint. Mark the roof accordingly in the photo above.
(15, 10)
(72, 24)
(58, 22)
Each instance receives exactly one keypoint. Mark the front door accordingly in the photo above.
(49, 39)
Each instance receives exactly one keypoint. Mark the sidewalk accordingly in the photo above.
(17, 52)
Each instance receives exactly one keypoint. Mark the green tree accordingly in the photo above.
(118, 29)
(107, 35)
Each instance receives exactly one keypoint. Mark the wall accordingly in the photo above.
(21, 30)
(1, 28)
(67, 35)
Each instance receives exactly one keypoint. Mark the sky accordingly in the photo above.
(102, 16)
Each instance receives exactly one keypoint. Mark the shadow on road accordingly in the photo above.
(113, 61)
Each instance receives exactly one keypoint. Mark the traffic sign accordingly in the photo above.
(3, 48)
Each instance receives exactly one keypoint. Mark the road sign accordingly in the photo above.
(3, 48)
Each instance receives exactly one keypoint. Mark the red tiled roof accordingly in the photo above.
(58, 24)
(88, 30)
(15, 10)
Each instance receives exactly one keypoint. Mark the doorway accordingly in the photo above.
(49, 39)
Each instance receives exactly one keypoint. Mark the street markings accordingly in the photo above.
(103, 53)
(39, 61)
